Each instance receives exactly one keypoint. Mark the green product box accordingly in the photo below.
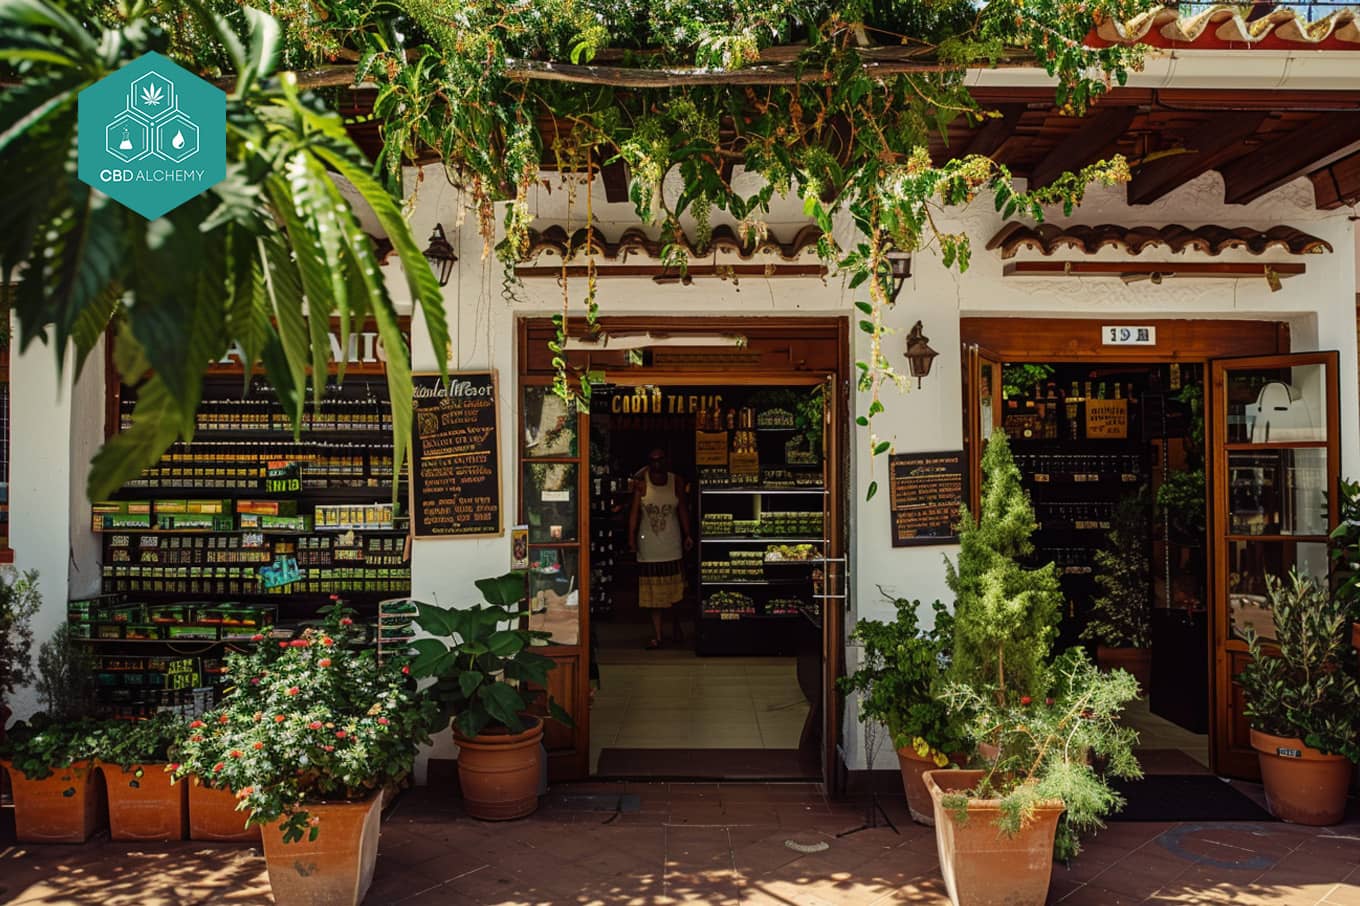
(198, 633)
(142, 631)
(113, 521)
(197, 521)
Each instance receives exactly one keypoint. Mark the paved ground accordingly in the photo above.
(704, 843)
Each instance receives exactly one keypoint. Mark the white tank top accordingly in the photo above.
(659, 538)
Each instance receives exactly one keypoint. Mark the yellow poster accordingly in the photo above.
(1107, 418)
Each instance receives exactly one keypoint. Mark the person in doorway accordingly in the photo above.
(659, 533)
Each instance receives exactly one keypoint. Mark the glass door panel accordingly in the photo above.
(1274, 463)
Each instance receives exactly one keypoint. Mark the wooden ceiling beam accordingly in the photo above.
(1094, 139)
(994, 132)
(1311, 147)
(614, 175)
(1206, 146)
(1337, 185)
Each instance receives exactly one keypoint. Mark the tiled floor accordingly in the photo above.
(748, 844)
(689, 702)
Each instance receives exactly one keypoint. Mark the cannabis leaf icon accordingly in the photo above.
(152, 96)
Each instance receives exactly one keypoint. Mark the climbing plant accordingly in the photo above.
(832, 101)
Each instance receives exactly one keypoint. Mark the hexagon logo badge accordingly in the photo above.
(152, 135)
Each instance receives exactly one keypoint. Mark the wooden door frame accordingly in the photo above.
(1223, 756)
(1189, 341)
(775, 337)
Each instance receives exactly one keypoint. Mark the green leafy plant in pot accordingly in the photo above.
(483, 671)
(312, 733)
(1038, 723)
(145, 802)
(901, 671)
(1302, 702)
(1121, 622)
(1344, 547)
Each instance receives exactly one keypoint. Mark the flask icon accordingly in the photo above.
(126, 143)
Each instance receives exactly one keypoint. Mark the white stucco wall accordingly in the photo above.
(1319, 304)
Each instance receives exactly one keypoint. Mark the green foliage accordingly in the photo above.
(19, 601)
(64, 670)
(128, 744)
(39, 746)
(1048, 746)
(1181, 498)
(1019, 379)
(1122, 616)
(903, 668)
(276, 231)
(1344, 547)
(1005, 615)
(1310, 691)
(480, 669)
(310, 720)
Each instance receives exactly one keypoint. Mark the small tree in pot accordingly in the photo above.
(1037, 722)
(1344, 547)
(482, 667)
(897, 683)
(1121, 623)
(1303, 703)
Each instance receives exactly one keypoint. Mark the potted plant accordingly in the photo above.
(482, 667)
(897, 682)
(1037, 723)
(19, 601)
(55, 787)
(145, 803)
(1345, 552)
(313, 731)
(1121, 622)
(1303, 705)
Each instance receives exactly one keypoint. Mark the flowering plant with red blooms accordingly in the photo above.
(316, 720)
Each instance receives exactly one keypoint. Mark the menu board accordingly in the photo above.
(927, 492)
(455, 456)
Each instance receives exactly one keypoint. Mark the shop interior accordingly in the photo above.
(732, 689)
(1113, 458)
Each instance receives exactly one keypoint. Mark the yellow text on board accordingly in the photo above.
(1107, 418)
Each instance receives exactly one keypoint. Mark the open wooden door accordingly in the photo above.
(1274, 463)
(981, 412)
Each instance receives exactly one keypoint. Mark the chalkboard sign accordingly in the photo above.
(927, 491)
(455, 456)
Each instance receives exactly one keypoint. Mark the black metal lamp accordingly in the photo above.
(919, 353)
(900, 264)
(440, 255)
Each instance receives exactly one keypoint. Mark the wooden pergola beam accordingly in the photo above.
(1094, 139)
(1337, 185)
(1313, 146)
(1206, 146)
(993, 134)
(1165, 268)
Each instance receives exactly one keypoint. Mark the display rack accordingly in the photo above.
(242, 535)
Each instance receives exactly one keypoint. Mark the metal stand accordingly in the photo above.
(874, 809)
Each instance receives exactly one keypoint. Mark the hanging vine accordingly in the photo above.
(833, 101)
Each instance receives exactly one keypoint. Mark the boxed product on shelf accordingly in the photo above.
(108, 631)
(268, 507)
(276, 523)
(195, 521)
(213, 507)
(103, 522)
(121, 507)
(358, 515)
(144, 632)
(92, 610)
(169, 613)
(191, 632)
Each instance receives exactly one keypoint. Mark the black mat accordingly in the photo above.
(707, 764)
(1185, 797)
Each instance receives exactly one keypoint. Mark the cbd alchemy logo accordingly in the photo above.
(152, 135)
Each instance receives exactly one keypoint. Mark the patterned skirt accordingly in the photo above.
(660, 584)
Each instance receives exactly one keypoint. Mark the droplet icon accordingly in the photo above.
(178, 141)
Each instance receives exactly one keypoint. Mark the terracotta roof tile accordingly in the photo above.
(1210, 239)
(1223, 27)
(634, 241)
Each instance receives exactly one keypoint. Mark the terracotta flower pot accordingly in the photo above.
(980, 864)
(63, 807)
(1355, 643)
(918, 797)
(499, 772)
(336, 868)
(1303, 786)
(1137, 661)
(213, 816)
(145, 803)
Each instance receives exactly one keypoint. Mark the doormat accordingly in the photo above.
(707, 764)
(1185, 797)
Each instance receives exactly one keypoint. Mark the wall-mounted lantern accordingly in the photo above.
(440, 255)
(919, 353)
